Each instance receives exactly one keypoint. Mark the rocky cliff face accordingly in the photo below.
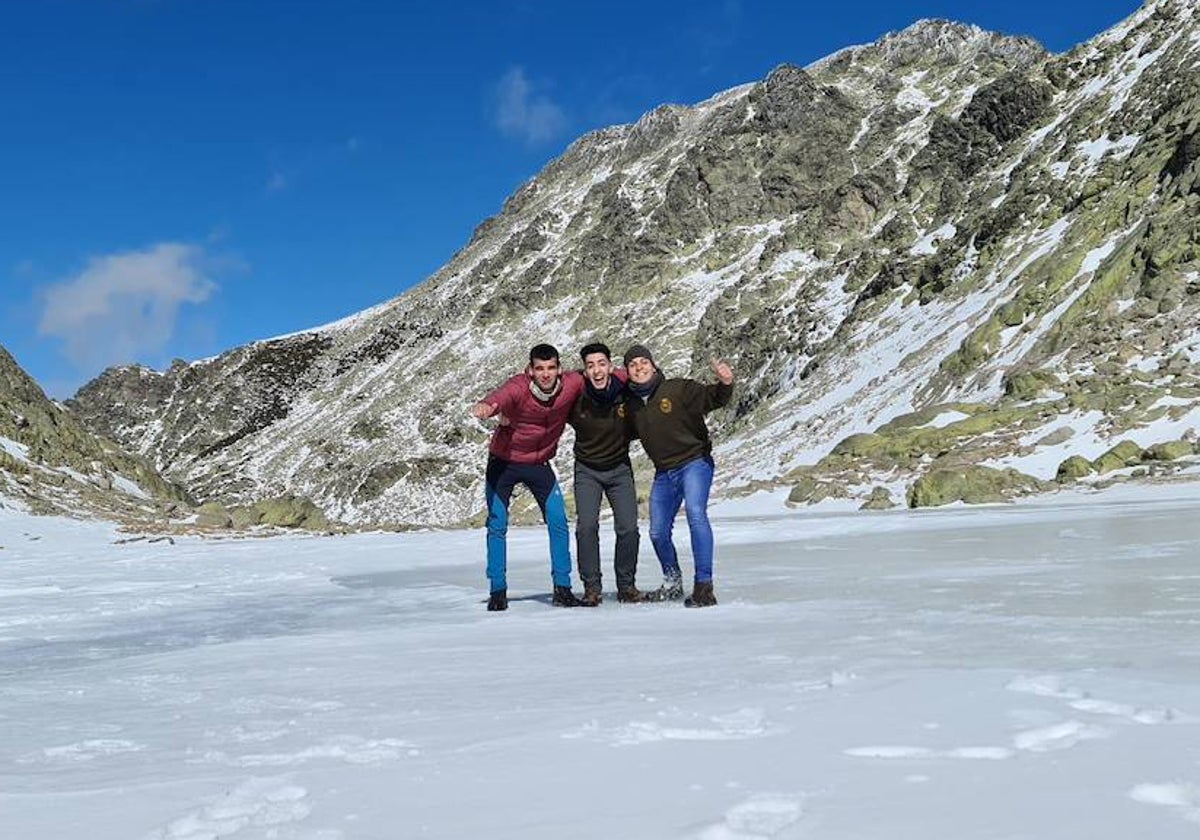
(51, 464)
(948, 253)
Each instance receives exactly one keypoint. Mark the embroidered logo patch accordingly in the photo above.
(665, 406)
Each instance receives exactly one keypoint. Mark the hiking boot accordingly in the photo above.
(671, 589)
(592, 595)
(564, 597)
(498, 601)
(631, 595)
(702, 596)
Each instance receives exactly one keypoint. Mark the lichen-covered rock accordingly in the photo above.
(1061, 435)
(810, 491)
(245, 517)
(860, 445)
(213, 515)
(973, 485)
(291, 512)
(1124, 454)
(880, 499)
(1028, 385)
(1169, 451)
(1073, 469)
(10, 463)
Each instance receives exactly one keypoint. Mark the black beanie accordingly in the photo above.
(639, 351)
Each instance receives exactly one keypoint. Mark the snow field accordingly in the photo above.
(1007, 671)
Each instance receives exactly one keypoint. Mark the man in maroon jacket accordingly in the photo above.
(536, 405)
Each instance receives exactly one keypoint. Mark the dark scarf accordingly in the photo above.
(643, 392)
(545, 396)
(610, 393)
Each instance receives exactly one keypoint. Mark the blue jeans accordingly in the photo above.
(687, 485)
(502, 477)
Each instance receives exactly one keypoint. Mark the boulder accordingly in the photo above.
(213, 515)
(809, 491)
(291, 512)
(1124, 454)
(973, 485)
(246, 517)
(1074, 468)
(1027, 385)
(1169, 451)
(1056, 437)
(880, 499)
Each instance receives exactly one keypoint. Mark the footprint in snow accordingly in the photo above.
(760, 817)
(84, 750)
(1078, 699)
(1045, 686)
(348, 748)
(1184, 798)
(739, 725)
(901, 752)
(1060, 736)
(256, 803)
(1149, 717)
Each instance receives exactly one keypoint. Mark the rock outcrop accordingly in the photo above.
(51, 463)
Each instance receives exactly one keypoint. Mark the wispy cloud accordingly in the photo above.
(220, 232)
(524, 114)
(277, 182)
(124, 306)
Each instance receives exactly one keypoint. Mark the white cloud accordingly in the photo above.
(523, 114)
(124, 306)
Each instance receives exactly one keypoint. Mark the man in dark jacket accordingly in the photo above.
(668, 417)
(602, 468)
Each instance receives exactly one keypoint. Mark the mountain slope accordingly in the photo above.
(949, 239)
(52, 464)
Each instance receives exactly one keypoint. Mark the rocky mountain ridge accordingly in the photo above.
(49, 463)
(948, 258)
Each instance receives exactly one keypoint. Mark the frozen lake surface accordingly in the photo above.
(1030, 671)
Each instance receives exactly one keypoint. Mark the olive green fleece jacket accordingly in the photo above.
(670, 422)
(602, 431)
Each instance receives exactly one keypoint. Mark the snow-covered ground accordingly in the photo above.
(1028, 671)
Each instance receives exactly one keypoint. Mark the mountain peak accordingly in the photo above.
(951, 39)
(939, 41)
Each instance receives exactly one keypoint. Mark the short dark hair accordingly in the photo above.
(595, 347)
(543, 352)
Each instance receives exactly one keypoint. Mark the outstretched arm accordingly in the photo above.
(500, 398)
(483, 409)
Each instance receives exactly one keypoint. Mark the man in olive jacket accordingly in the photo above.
(668, 417)
(602, 469)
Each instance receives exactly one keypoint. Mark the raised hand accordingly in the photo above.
(723, 371)
(482, 409)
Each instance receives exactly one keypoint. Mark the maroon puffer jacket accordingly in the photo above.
(534, 427)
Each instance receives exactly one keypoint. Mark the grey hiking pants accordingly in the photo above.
(617, 485)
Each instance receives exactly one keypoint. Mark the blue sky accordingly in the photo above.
(178, 177)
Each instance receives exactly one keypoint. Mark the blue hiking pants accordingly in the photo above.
(689, 486)
(502, 476)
